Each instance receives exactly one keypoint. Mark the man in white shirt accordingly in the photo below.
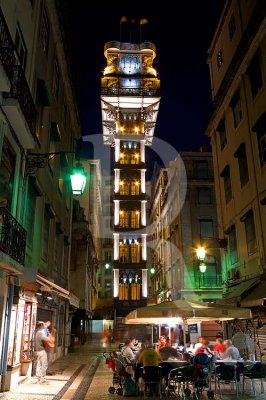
(199, 344)
(230, 350)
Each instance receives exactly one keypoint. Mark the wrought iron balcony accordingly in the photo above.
(214, 282)
(19, 86)
(12, 236)
(21, 92)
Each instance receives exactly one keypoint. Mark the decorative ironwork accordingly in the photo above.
(40, 160)
(209, 282)
(20, 91)
(7, 49)
(19, 86)
(12, 236)
(116, 91)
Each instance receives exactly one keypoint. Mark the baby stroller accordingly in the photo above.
(118, 371)
(201, 376)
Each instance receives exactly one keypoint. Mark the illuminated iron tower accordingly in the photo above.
(130, 101)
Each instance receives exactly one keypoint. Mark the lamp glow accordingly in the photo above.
(152, 270)
(78, 179)
(201, 253)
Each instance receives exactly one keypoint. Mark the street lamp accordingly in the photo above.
(201, 254)
(78, 176)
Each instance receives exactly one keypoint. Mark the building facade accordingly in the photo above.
(184, 218)
(237, 126)
(37, 115)
(130, 102)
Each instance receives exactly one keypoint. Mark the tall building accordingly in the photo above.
(237, 128)
(184, 218)
(130, 102)
(38, 116)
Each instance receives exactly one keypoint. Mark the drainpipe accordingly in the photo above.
(3, 362)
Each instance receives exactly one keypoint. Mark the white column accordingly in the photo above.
(143, 212)
(142, 181)
(117, 150)
(116, 246)
(142, 151)
(117, 180)
(144, 246)
(116, 282)
(116, 212)
(144, 283)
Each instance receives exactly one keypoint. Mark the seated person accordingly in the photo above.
(127, 351)
(198, 344)
(231, 351)
(219, 347)
(150, 359)
(204, 348)
(161, 342)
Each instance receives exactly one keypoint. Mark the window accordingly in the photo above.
(232, 26)
(222, 134)
(260, 129)
(255, 75)
(233, 244)
(7, 172)
(21, 48)
(45, 235)
(241, 156)
(45, 33)
(58, 251)
(124, 219)
(227, 184)
(248, 219)
(219, 59)
(204, 195)
(202, 169)
(206, 228)
(237, 108)
(30, 214)
(56, 80)
(107, 256)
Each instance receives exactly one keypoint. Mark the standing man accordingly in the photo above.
(40, 352)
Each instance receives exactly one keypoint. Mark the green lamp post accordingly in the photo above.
(78, 179)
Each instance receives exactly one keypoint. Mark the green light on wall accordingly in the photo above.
(152, 270)
(78, 179)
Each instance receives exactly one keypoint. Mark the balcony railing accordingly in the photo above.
(7, 49)
(12, 236)
(21, 92)
(208, 282)
(116, 91)
(19, 86)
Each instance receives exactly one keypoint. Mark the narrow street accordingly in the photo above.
(84, 375)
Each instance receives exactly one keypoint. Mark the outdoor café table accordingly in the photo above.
(240, 365)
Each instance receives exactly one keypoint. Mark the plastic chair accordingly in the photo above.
(257, 371)
(152, 380)
(226, 374)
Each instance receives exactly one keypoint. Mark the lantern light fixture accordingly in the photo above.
(78, 176)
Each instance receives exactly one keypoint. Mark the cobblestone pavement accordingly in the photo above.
(84, 375)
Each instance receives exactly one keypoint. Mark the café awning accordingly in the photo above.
(181, 310)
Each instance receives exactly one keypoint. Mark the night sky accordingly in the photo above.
(182, 40)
